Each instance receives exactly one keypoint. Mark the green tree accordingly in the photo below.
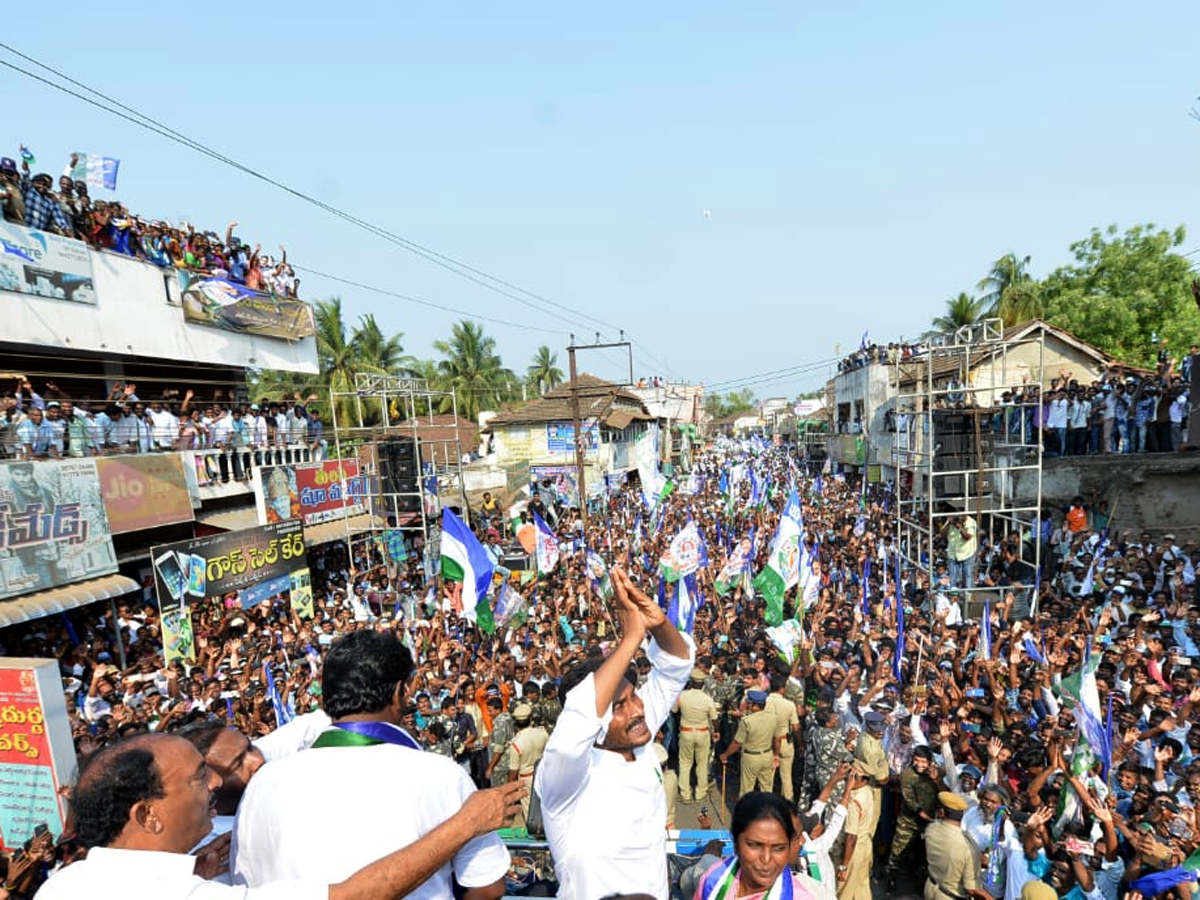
(1125, 292)
(720, 406)
(961, 310)
(472, 369)
(376, 350)
(1008, 275)
(543, 373)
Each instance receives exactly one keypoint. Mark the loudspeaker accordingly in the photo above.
(398, 471)
(954, 435)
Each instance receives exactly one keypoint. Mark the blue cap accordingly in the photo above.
(756, 696)
(970, 771)
(874, 720)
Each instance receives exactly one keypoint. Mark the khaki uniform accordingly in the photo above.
(952, 860)
(697, 722)
(756, 736)
(523, 754)
(869, 751)
(788, 721)
(918, 794)
(861, 816)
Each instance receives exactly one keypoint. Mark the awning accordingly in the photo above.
(60, 599)
(229, 519)
(338, 529)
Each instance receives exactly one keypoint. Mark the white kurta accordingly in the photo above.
(143, 875)
(606, 818)
(326, 812)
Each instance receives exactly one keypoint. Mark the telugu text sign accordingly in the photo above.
(312, 492)
(33, 720)
(223, 563)
(45, 265)
(53, 527)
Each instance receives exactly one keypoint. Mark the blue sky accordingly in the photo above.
(860, 162)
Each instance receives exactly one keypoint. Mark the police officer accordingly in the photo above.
(869, 751)
(757, 740)
(787, 726)
(825, 750)
(524, 752)
(918, 807)
(697, 730)
(503, 731)
(952, 858)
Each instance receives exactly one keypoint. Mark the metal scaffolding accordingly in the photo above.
(402, 408)
(959, 449)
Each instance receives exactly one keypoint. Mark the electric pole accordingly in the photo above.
(580, 445)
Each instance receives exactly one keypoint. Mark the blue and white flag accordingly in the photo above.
(97, 171)
(282, 714)
(1089, 580)
(682, 611)
(465, 560)
(547, 545)
(985, 634)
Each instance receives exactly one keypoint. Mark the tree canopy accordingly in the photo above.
(1123, 293)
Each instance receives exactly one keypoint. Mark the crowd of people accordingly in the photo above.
(52, 425)
(905, 735)
(30, 199)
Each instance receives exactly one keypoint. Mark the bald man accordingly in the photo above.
(140, 805)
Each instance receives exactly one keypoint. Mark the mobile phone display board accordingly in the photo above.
(37, 754)
(231, 564)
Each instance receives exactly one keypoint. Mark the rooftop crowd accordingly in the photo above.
(908, 730)
(30, 199)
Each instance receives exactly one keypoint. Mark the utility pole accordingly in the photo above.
(580, 446)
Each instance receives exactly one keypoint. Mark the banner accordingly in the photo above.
(556, 483)
(37, 755)
(226, 563)
(560, 437)
(311, 492)
(53, 529)
(219, 303)
(144, 491)
(179, 645)
(45, 265)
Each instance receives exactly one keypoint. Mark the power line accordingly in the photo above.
(418, 300)
(773, 375)
(463, 270)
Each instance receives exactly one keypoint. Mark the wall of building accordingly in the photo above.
(1155, 491)
(138, 313)
(1023, 362)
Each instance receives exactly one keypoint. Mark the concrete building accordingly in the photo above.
(538, 437)
(864, 397)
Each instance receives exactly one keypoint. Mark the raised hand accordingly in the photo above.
(651, 614)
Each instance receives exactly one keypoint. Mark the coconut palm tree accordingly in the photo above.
(543, 373)
(373, 348)
(1008, 272)
(472, 369)
(961, 310)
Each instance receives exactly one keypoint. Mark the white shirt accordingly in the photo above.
(980, 833)
(1057, 417)
(298, 734)
(367, 802)
(1078, 414)
(817, 849)
(605, 817)
(145, 875)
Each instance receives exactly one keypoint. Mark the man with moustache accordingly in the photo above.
(600, 781)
